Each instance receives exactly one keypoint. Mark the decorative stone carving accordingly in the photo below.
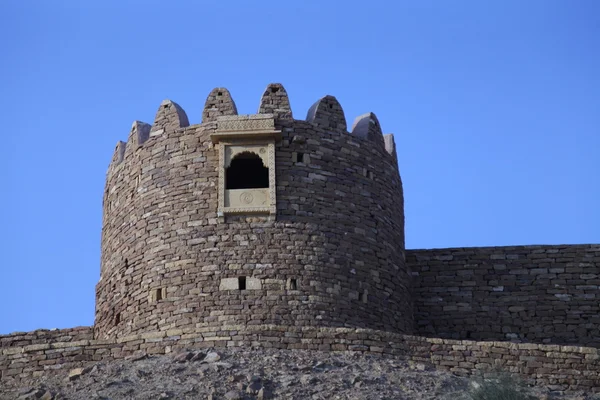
(246, 127)
(260, 150)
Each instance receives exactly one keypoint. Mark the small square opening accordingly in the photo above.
(242, 283)
(159, 294)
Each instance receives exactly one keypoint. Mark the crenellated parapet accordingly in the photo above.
(390, 145)
(170, 116)
(119, 153)
(275, 101)
(139, 133)
(367, 126)
(327, 113)
(218, 103)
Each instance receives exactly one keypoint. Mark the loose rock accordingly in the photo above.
(248, 374)
(233, 395)
(77, 372)
(211, 357)
(183, 357)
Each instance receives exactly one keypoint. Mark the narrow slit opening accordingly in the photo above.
(242, 282)
(363, 296)
(117, 318)
(293, 284)
(159, 294)
(300, 157)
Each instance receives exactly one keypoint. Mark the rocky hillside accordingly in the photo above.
(263, 374)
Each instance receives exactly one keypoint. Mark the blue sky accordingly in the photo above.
(495, 107)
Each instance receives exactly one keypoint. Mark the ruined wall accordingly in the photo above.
(333, 256)
(540, 294)
(567, 368)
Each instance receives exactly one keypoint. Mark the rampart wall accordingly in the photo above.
(566, 368)
(327, 270)
(539, 294)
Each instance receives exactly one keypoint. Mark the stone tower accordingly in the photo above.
(253, 220)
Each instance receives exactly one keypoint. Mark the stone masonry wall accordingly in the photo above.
(334, 256)
(41, 336)
(329, 273)
(566, 368)
(540, 294)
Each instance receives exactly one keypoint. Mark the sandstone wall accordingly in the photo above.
(41, 336)
(540, 294)
(566, 368)
(333, 256)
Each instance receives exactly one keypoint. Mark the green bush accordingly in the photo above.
(501, 387)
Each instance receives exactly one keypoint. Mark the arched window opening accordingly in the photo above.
(246, 171)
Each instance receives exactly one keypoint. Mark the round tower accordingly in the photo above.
(253, 220)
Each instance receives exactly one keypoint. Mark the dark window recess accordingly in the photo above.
(126, 263)
(274, 89)
(363, 296)
(300, 157)
(242, 282)
(117, 318)
(293, 284)
(159, 294)
(246, 172)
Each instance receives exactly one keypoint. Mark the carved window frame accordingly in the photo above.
(242, 131)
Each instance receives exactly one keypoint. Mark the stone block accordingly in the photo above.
(229, 284)
(253, 283)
